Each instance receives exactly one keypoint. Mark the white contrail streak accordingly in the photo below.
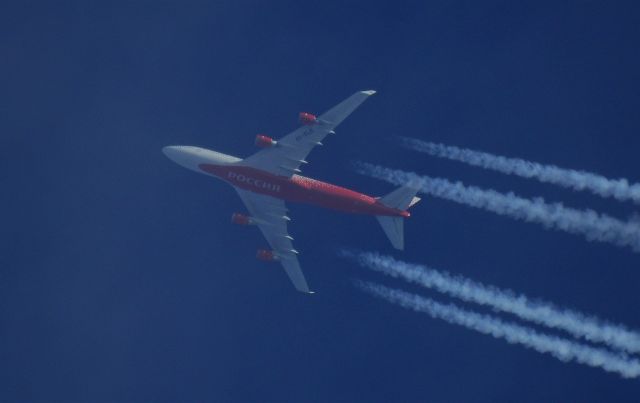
(562, 349)
(593, 226)
(619, 189)
(536, 311)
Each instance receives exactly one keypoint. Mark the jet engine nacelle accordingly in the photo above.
(263, 141)
(307, 118)
(241, 219)
(266, 255)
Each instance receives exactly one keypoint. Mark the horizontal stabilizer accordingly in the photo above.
(393, 227)
(402, 198)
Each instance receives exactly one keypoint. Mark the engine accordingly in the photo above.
(307, 118)
(266, 255)
(263, 141)
(241, 219)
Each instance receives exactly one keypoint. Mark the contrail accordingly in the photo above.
(593, 226)
(536, 311)
(562, 349)
(619, 189)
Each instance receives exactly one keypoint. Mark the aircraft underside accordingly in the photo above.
(268, 178)
(300, 189)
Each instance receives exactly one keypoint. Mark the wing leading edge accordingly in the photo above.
(270, 215)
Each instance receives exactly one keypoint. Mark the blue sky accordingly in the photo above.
(122, 278)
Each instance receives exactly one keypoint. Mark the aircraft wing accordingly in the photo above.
(270, 215)
(285, 158)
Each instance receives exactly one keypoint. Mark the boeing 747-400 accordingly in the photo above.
(268, 178)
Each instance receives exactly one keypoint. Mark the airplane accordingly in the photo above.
(268, 178)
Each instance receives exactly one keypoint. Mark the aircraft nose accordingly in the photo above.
(171, 151)
(193, 157)
(178, 154)
(181, 155)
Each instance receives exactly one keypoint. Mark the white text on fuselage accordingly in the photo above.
(259, 183)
